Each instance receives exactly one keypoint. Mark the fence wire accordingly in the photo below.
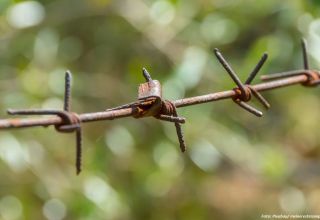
(151, 103)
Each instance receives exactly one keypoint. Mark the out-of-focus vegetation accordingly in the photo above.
(237, 166)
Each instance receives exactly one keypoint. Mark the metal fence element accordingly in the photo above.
(151, 103)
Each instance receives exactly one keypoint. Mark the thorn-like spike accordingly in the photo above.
(260, 98)
(229, 70)
(249, 108)
(182, 143)
(304, 54)
(67, 93)
(78, 150)
(174, 113)
(146, 75)
(170, 118)
(68, 74)
(257, 68)
(10, 111)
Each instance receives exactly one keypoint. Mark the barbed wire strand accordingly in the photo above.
(151, 103)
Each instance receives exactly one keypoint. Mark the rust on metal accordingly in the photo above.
(70, 121)
(243, 91)
(150, 101)
(313, 76)
(151, 89)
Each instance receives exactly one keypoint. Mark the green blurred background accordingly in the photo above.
(237, 166)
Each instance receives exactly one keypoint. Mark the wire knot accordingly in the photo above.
(244, 95)
(150, 103)
(70, 122)
(147, 107)
(167, 108)
(313, 78)
(244, 91)
(168, 112)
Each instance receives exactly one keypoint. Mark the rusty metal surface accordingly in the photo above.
(129, 111)
(150, 101)
(151, 89)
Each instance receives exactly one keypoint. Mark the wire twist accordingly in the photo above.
(71, 121)
(244, 91)
(313, 76)
(151, 104)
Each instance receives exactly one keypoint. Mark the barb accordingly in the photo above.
(229, 70)
(312, 75)
(70, 122)
(304, 54)
(244, 91)
(151, 103)
(146, 75)
(257, 68)
(67, 93)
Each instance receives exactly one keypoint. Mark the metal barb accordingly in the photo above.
(304, 54)
(260, 98)
(70, 121)
(67, 92)
(66, 121)
(72, 127)
(306, 70)
(78, 150)
(245, 89)
(249, 108)
(229, 70)
(146, 75)
(256, 69)
(182, 143)
(170, 118)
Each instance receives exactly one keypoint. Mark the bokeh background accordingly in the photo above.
(237, 166)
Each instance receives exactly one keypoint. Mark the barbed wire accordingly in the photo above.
(151, 103)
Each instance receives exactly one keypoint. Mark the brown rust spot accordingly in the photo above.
(15, 122)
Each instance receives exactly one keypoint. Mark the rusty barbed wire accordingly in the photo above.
(150, 101)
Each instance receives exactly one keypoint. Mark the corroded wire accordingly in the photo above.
(67, 121)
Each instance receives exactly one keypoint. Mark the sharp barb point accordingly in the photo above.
(67, 92)
(249, 108)
(170, 118)
(68, 73)
(229, 70)
(146, 75)
(304, 54)
(260, 98)
(66, 121)
(10, 112)
(182, 143)
(257, 68)
(78, 150)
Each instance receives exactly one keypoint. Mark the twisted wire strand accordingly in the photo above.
(67, 121)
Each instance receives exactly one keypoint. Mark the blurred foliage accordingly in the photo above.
(237, 166)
